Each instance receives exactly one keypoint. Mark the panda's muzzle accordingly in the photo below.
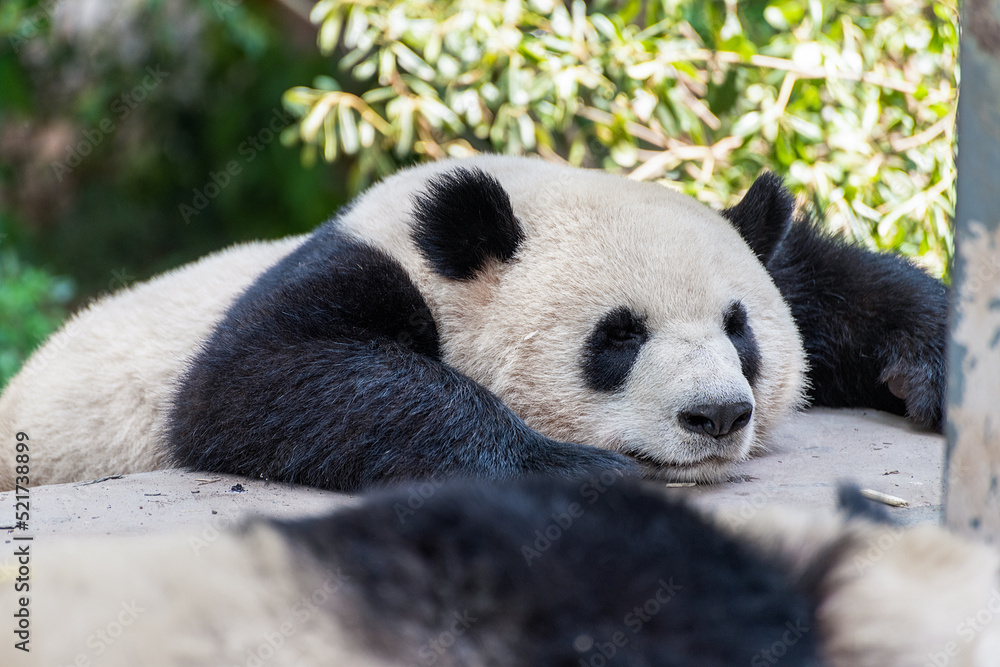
(673, 471)
(716, 419)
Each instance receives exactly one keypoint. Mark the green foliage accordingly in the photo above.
(32, 305)
(852, 103)
(136, 136)
(114, 117)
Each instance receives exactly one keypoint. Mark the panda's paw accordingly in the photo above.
(920, 383)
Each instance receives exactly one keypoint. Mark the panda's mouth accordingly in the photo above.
(646, 459)
(675, 471)
(643, 458)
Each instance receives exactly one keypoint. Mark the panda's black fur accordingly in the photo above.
(868, 321)
(556, 572)
(596, 571)
(328, 370)
(463, 219)
(333, 360)
(864, 317)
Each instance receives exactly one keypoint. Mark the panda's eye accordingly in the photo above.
(735, 320)
(612, 348)
(623, 336)
(737, 327)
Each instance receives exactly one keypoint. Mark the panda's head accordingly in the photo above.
(606, 311)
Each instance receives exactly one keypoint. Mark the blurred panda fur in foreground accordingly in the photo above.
(540, 572)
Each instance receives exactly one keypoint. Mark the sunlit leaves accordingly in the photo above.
(852, 103)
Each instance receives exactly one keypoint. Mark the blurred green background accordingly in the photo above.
(136, 135)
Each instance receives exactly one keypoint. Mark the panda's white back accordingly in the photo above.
(93, 398)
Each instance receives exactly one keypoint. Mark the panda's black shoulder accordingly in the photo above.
(558, 572)
(332, 283)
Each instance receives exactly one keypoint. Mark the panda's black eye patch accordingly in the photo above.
(612, 348)
(737, 327)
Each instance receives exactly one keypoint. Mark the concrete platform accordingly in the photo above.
(819, 448)
(812, 452)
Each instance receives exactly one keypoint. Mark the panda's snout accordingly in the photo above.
(716, 419)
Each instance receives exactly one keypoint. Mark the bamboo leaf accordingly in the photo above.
(348, 130)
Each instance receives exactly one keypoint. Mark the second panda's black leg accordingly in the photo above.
(327, 372)
(873, 325)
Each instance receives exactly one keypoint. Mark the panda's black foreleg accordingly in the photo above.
(351, 414)
(327, 372)
(873, 325)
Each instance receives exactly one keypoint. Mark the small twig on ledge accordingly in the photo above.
(98, 481)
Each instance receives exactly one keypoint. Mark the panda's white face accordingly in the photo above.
(630, 317)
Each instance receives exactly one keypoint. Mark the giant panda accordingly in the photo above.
(489, 317)
(575, 573)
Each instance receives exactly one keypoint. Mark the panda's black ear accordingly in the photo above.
(463, 219)
(855, 506)
(764, 215)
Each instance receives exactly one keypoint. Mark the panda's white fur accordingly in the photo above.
(93, 399)
(594, 241)
(156, 601)
(892, 596)
(884, 596)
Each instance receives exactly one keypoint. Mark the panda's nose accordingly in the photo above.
(717, 419)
